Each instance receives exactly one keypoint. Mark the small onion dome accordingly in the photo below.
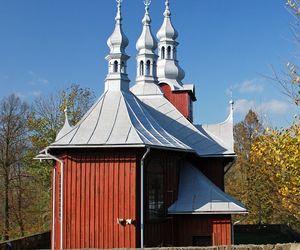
(146, 40)
(167, 31)
(118, 41)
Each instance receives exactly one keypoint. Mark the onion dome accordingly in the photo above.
(167, 31)
(146, 42)
(118, 41)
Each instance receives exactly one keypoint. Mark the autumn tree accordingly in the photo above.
(277, 155)
(242, 180)
(13, 145)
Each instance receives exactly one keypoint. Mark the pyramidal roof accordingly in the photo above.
(118, 119)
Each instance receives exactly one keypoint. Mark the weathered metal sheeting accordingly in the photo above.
(118, 119)
(198, 195)
(181, 128)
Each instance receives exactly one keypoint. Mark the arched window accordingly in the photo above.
(154, 69)
(123, 69)
(148, 66)
(169, 52)
(163, 52)
(174, 53)
(115, 66)
(141, 68)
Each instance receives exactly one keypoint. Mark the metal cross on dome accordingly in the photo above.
(147, 2)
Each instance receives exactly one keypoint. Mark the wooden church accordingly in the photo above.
(136, 171)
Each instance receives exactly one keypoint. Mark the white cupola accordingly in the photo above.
(168, 70)
(146, 46)
(117, 78)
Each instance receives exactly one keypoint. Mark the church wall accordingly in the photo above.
(213, 169)
(99, 188)
(202, 230)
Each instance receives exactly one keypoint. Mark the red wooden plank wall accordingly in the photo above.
(179, 99)
(218, 227)
(99, 188)
(222, 230)
(213, 169)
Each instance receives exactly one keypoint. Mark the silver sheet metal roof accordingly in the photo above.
(205, 144)
(118, 119)
(198, 195)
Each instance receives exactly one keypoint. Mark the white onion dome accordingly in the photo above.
(146, 42)
(117, 42)
(167, 31)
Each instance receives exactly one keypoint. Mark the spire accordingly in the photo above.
(117, 78)
(168, 70)
(146, 45)
(66, 128)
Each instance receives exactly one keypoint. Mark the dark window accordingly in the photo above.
(141, 68)
(163, 53)
(148, 65)
(202, 241)
(115, 66)
(155, 191)
(169, 52)
(123, 67)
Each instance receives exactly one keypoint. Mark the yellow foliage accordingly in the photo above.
(277, 152)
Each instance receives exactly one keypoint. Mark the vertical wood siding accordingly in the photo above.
(218, 227)
(99, 188)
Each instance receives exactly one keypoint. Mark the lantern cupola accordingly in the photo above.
(117, 78)
(168, 69)
(146, 46)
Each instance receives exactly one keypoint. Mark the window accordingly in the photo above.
(174, 53)
(163, 53)
(155, 191)
(148, 65)
(123, 67)
(169, 52)
(141, 68)
(115, 66)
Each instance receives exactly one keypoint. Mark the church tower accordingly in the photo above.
(169, 73)
(146, 57)
(117, 78)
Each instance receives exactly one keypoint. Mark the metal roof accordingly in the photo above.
(204, 144)
(118, 118)
(198, 195)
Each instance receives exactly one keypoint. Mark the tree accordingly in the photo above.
(13, 145)
(277, 153)
(242, 180)
(290, 79)
(45, 120)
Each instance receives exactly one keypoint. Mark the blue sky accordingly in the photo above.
(46, 45)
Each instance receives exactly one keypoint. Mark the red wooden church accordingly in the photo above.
(135, 171)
